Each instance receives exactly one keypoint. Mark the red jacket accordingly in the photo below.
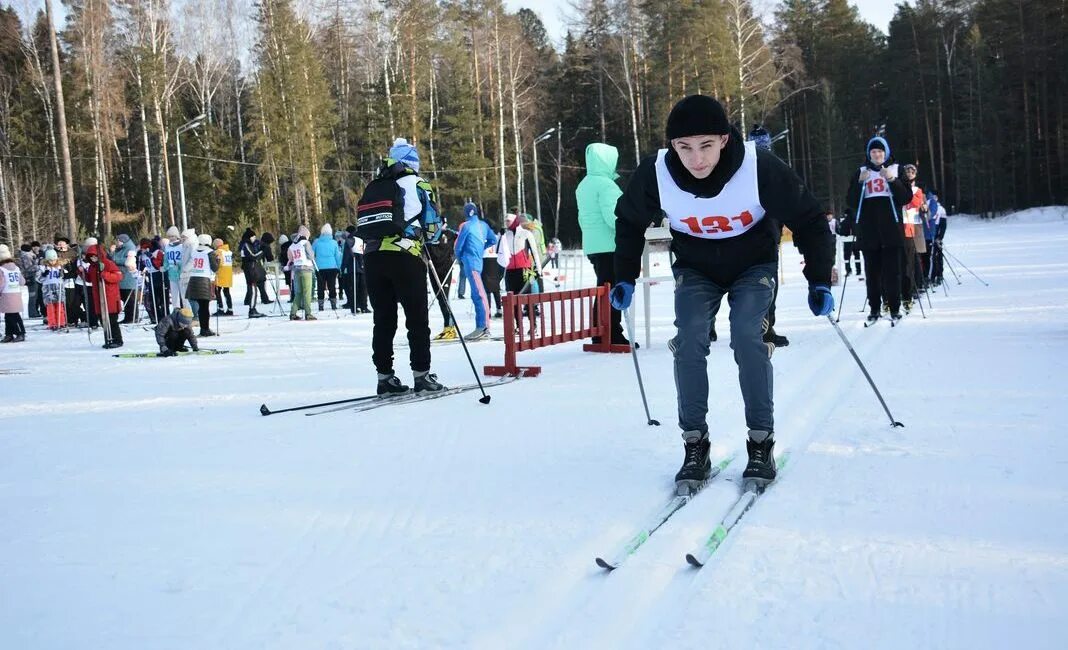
(112, 276)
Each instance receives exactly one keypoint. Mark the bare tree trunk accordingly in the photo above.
(632, 99)
(430, 135)
(923, 94)
(12, 241)
(61, 113)
(516, 136)
(389, 98)
(153, 217)
(500, 115)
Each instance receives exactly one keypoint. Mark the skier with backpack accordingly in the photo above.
(396, 216)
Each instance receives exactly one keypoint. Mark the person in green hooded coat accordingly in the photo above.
(597, 195)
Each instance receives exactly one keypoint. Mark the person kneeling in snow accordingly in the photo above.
(174, 331)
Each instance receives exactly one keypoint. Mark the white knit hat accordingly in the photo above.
(204, 240)
(5, 252)
(327, 229)
(173, 232)
(90, 241)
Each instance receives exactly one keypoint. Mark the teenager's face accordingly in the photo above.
(700, 153)
(877, 156)
(910, 174)
(62, 246)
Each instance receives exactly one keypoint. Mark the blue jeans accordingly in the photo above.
(697, 299)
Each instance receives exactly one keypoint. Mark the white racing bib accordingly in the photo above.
(52, 275)
(733, 212)
(227, 259)
(876, 185)
(298, 256)
(199, 265)
(12, 285)
(173, 254)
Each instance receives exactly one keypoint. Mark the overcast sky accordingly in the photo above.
(554, 13)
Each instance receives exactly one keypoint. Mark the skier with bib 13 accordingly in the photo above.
(722, 196)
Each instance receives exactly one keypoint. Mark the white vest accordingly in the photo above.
(200, 265)
(12, 277)
(876, 185)
(52, 275)
(298, 256)
(173, 254)
(733, 212)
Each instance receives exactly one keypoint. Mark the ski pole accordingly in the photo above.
(945, 258)
(444, 279)
(637, 368)
(871, 382)
(366, 398)
(485, 399)
(966, 268)
(841, 298)
(919, 296)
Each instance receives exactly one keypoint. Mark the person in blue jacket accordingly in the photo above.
(474, 238)
(328, 263)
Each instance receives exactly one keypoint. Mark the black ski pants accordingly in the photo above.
(398, 278)
(883, 279)
(328, 284)
(604, 269)
(491, 279)
(13, 324)
(851, 252)
(128, 305)
(175, 339)
(441, 292)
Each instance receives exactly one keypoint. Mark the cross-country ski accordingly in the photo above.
(534, 325)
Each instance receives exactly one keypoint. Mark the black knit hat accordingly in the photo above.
(697, 115)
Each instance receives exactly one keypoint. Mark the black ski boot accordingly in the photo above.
(776, 339)
(870, 320)
(427, 383)
(696, 466)
(761, 468)
(389, 385)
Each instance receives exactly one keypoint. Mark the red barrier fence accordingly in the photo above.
(552, 318)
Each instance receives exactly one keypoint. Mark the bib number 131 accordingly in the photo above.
(876, 185)
(714, 225)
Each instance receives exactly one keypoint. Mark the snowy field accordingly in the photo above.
(146, 503)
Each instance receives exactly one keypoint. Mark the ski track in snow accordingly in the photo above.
(148, 504)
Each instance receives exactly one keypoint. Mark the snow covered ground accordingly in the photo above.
(147, 504)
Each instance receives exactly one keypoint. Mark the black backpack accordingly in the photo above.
(380, 212)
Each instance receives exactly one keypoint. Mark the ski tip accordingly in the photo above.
(604, 565)
(694, 561)
(264, 410)
(485, 399)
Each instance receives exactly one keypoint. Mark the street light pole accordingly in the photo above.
(537, 191)
(191, 124)
(559, 162)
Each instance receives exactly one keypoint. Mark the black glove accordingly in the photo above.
(166, 353)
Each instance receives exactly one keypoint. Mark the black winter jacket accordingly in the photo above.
(879, 224)
(783, 195)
